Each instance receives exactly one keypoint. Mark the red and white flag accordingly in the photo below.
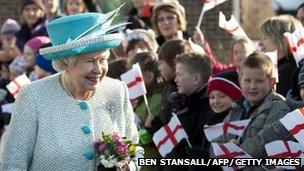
(135, 82)
(209, 4)
(168, 136)
(235, 128)
(15, 85)
(285, 149)
(232, 26)
(294, 123)
(274, 59)
(229, 150)
(295, 43)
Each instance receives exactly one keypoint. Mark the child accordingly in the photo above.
(295, 96)
(140, 40)
(51, 9)
(300, 13)
(153, 81)
(31, 48)
(223, 91)
(8, 53)
(152, 78)
(117, 67)
(191, 101)
(240, 49)
(260, 104)
(75, 7)
(167, 60)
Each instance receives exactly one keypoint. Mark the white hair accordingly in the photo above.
(62, 64)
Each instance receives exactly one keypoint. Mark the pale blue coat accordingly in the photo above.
(46, 131)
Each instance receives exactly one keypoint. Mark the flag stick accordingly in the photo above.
(200, 19)
(146, 102)
(239, 138)
(188, 142)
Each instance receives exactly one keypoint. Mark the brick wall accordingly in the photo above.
(254, 12)
(219, 40)
(9, 9)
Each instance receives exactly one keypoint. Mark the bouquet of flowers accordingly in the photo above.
(114, 150)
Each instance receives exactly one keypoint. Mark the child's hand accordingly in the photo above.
(12, 52)
(234, 141)
(149, 120)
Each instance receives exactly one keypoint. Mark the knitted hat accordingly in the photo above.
(28, 2)
(147, 36)
(226, 82)
(301, 77)
(10, 26)
(170, 3)
(44, 64)
(36, 42)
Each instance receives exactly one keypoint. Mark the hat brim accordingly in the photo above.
(82, 46)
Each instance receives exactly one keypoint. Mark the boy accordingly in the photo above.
(192, 73)
(167, 60)
(260, 103)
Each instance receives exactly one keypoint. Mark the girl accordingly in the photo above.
(75, 7)
(152, 78)
(31, 48)
(32, 22)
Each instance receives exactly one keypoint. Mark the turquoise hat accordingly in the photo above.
(82, 33)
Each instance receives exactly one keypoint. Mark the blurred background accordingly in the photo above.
(249, 13)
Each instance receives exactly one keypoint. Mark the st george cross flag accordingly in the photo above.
(285, 149)
(168, 136)
(15, 85)
(294, 123)
(235, 128)
(274, 59)
(229, 150)
(135, 82)
(231, 26)
(209, 4)
(295, 43)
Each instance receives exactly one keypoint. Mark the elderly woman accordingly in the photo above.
(169, 21)
(56, 119)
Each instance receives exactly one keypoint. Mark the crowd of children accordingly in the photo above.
(181, 77)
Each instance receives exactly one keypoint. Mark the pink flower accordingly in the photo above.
(116, 137)
(101, 148)
(121, 149)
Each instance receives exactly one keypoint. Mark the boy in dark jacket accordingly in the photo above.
(191, 102)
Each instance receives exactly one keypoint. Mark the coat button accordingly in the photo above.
(83, 105)
(89, 154)
(86, 129)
